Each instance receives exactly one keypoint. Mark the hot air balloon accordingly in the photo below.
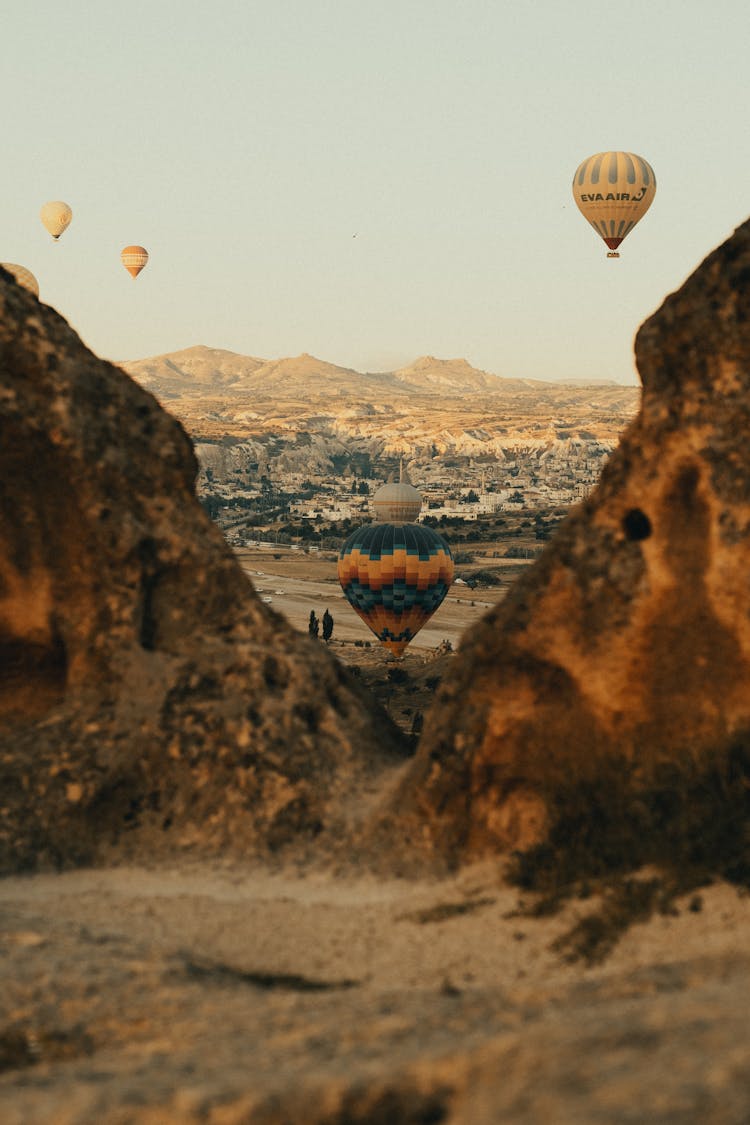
(56, 217)
(23, 276)
(395, 576)
(613, 190)
(134, 259)
(397, 502)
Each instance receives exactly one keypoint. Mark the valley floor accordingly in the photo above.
(294, 583)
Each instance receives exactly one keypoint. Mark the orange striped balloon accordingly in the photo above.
(134, 258)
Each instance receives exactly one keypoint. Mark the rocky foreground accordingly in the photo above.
(233, 995)
(234, 893)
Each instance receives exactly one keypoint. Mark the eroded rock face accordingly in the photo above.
(147, 697)
(625, 652)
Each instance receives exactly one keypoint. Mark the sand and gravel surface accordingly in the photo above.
(294, 583)
(226, 994)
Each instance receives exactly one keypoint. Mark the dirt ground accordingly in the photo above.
(211, 992)
(294, 583)
(217, 994)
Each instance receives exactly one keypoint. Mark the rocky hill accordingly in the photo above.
(112, 581)
(280, 915)
(305, 412)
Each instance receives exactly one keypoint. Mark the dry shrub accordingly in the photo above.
(688, 819)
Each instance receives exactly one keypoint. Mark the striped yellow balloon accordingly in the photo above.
(56, 217)
(613, 191)
(23, 276)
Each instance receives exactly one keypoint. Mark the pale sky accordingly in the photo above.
(369, 182)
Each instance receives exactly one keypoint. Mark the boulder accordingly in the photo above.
(604, 707)
(149, 701)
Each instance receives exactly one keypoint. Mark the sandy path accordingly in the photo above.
(392, 934)
(237, 995)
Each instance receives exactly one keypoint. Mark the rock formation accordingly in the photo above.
(606, 702)
(147, 697)
(149, 703)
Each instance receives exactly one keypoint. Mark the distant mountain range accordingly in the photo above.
(303, 410)
(198, 370)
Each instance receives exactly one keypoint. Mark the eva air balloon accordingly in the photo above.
(613, 191)
(56, 217)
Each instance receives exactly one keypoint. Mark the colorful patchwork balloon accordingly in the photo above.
(395, 576)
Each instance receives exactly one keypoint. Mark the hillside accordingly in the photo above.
(307, 411)
(198, 370)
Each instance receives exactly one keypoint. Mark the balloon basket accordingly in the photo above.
(613, 254)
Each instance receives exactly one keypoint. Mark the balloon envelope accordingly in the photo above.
(56, 217)
(134, 259)
(397, 502)
(613, 191)
(23, 276)
(395, 576)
